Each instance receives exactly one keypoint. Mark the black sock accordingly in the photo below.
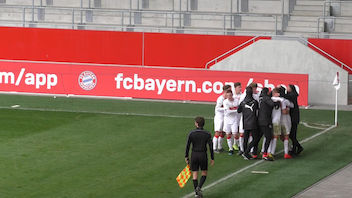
(195, 183)
(202, 180)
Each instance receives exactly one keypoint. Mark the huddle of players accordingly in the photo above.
(246, 117)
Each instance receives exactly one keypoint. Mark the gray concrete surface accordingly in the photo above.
(291, 56)
(338, 185)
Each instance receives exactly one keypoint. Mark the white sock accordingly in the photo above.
(215, 143)
(237, 142)
(220, 139)
(241, 143)
(269, 148)
(286, 146)
(250, 139)
(263, 145)
(230, 143)
(273, 146)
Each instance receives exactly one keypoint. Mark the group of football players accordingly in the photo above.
(245, 117)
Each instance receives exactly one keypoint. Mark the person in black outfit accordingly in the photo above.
(266, 106)
(199, 138)
(295, 119)
(249, 110)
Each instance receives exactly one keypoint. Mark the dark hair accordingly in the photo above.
(293, 88)
(229, 91)
(276, 90)
(226, 87)
(264, 92)
(200, 121)
(282, 90)
(237, 84)
(249, 90)
(253, 85)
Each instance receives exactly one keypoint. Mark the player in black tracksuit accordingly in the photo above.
(264, 118)
(295, 118)
(249, 110)
(199, 138)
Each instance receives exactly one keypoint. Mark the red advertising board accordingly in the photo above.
(135, 82)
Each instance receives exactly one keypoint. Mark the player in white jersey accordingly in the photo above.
(281, 123)
(231, 119)
(241, 130)
(285, 122)
(237, 97)
(219, 120)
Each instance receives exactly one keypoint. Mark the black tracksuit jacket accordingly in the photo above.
(265, 110)
(249, 108)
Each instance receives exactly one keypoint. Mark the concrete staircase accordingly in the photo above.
(304, 18)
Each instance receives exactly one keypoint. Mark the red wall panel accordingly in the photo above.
(106, 47)
(338, 48)
(184, 50)
(70, 45)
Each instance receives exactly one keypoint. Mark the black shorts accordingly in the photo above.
(199, 160)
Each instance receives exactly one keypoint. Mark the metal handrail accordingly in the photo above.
(325, 53)
(230, 51)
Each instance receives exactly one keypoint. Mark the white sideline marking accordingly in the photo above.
(101, 112)
(314, 127)
(256, 163)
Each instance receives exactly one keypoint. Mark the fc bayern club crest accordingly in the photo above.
(87, 80)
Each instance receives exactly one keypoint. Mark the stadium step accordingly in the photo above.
(307, 12)
(303, 23)
(302, 29)
(303, 18)
(309, 7)
(343, 27)
(309, 2)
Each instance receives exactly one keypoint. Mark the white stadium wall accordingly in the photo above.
(290, 56)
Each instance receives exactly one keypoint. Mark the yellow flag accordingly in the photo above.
(183, 177)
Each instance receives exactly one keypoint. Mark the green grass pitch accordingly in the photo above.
(70, 147)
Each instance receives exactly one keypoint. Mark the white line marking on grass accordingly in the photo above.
(314, 127)
(256, 163)
(103, 112)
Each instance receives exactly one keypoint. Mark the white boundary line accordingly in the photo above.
(314, 127)
(254, 164)
(99, 112)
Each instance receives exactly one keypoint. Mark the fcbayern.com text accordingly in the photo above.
(171, 85)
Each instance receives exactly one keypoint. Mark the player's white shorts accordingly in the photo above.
(285, 128)
(231, 128)
(218, 123)
(286, 125)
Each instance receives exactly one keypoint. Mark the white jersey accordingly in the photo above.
(276, 113)
(219, 107)
(286, 118)
(230, 114)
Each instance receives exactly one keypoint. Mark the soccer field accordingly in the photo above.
(71, 147)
